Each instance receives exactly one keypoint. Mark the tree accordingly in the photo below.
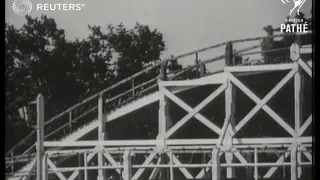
(39, 59)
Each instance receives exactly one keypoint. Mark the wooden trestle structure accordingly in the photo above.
(92, 153)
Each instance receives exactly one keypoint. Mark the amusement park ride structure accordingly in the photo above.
(163, 157)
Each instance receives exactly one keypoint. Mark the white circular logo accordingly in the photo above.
(22, 7)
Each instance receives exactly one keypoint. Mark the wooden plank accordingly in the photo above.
(146, 162)
(187, 108)
(195, 110)
(208, 80)
(100, 143)
(268, 67)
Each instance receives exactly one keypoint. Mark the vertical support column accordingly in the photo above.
(171, 164)
(85, 166)
(230, 109)
(294, 173)
(298, 98)
(216, 164)
(101, 137)
(229, 54)
(256, 172)
(45, 167)
(127, 170)
(40, 136)
(80, 176)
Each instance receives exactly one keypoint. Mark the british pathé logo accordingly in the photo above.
(297, 4)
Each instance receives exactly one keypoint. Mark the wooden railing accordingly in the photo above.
(133, 87)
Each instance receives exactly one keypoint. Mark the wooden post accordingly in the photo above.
(70, 121)
(40, 136)
(163, 70)
(202, 70)
(80, 177)
(85, 166)
(230, 110)
(127, 170)
(197, 65)
(256, 172)
(294, 175)
(216, 164)
(298, 96)
(171, 168)
(101, 137)
(45, 167)
(229, 54)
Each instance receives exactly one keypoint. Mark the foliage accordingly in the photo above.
(39, 59)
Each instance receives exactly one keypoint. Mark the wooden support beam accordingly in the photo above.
(85, 162)
(256, 172)
(184, 171)
(257, 100)
(187, 108)
(255, 68)
(195, 110)
(162, 121)
(112, 161)
(155, 171)
(229, 112)
(276, 89)
(294, 173)
(45, 167)
(40, 136)
(54, 168)
(101, 137)
(305, 125)
(148, 160)
(171, 163)
(305, 67)
(216, 165)
(127, 169)
(298, 98)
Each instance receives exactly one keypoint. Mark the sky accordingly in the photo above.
(187, 25)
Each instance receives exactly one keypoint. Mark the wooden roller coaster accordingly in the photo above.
(251, 119)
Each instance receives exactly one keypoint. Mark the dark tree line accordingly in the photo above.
(39, 59)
